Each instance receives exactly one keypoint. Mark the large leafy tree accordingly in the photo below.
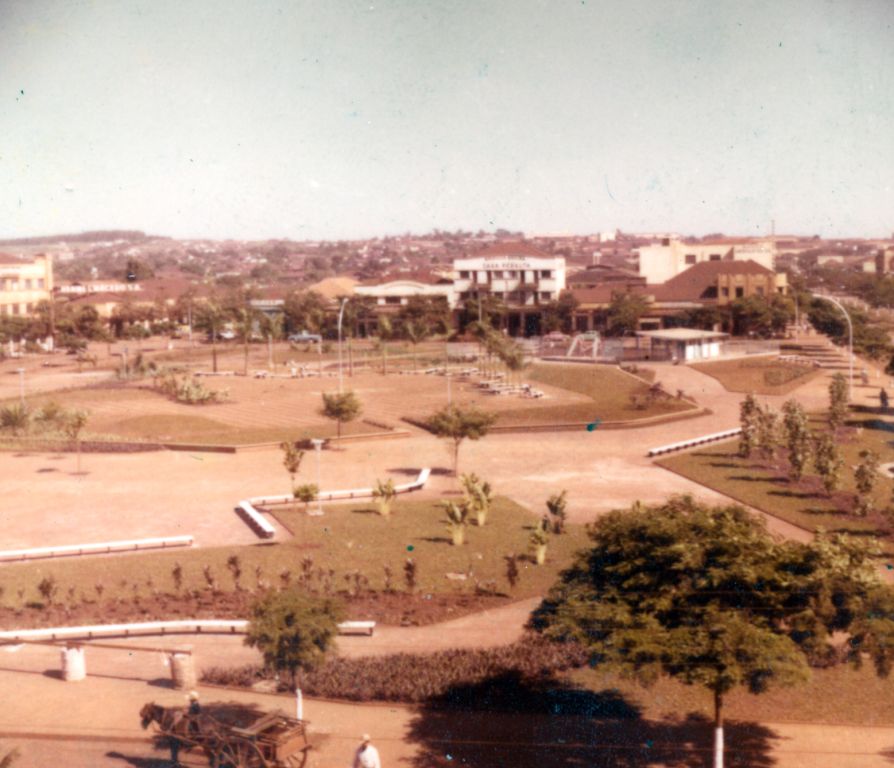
(623, 313)
(305, 311)
(457, 424)
(761, 315)
(707, 596)
(292, 630)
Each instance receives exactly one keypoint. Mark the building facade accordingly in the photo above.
(24, 284)
(522, 278)
(660, 263)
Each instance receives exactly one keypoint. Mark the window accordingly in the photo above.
(714, 257)
(724, 292)
(498, 295)
(464, 296)
(759, 290)
(15, 309)
(547, 273)
(40, 283)
(510, 274)
(690, 258)
(740, 291)
(392, 299)
(464, 274)
(710, 292)
(546, 296)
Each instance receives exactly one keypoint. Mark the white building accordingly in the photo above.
(24, 284)
(521, 277)
(396, 290)
(661, 262)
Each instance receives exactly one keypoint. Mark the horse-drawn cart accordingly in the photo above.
(271, 741)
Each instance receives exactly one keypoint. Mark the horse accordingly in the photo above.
(174, 723)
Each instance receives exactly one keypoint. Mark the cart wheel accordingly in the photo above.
(239, 754)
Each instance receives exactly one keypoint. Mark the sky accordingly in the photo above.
(338, 119)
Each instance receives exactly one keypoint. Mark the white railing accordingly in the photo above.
(356, 493)
(182, 626)
(255, 520)
(105, 547)
(683, 444)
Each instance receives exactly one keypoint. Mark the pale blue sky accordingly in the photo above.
(339, 119)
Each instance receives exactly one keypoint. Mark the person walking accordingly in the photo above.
(883, 399)
(366, 756)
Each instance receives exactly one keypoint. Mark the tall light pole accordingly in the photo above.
(850, 341)
(318, 445)
(341, 313)
(21, 372)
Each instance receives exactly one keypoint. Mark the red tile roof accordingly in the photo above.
(418, 276)
(516, 248)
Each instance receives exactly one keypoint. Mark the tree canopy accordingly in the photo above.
(706, 595)
(458, 424)
(293, 630)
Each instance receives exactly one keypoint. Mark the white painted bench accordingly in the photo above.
(99, 548)
(683, 444)
(180, 626)
(255, 520)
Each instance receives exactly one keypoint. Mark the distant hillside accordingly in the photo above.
(83, 237)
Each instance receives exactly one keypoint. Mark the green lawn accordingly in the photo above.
(609, 389)
(347, 538)
(752, 482)
(760, 375)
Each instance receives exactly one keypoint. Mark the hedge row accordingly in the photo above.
(453, 677)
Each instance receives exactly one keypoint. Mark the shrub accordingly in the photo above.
(415, 678)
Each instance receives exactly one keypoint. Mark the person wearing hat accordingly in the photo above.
(366, 756)
(194, 707)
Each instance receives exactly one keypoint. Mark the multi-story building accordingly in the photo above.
(660, 263)
(521, 277)
(24, 284)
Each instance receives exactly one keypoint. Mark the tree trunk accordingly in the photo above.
(269, 351)
(214, 356)
(78, 446)
(245, 358)
(350, 358)
(384, 360)
(456, 458)
(718, 729)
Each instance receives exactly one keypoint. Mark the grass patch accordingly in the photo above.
(805, 504)
(763, 376)
(346, 539)
(609, 390)
(838, 695)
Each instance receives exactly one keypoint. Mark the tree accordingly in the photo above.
(457, 521)
(511, 570)
(457, 424)
(211, 317)
(415, 331)
(559, 315)
(384, 493)
(557, 506)
(767, 432)
(341, 408)
(865, 477)
(9, 758)
(73, 424)
(385, 332)
(828, 462)
(624, 312)
(292, 630)
(749, 418)
(304, 311)
(797, 438)
(291, 459)
(838, 401)
(707, 596)
(244, 316)
(762, 316)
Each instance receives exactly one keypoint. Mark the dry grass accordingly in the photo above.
(761, 375)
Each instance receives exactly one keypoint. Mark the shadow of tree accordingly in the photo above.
(140, 762)
(549, 723)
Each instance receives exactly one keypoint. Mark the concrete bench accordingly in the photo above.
(255, 520)
(683, 444)
(99, 548)
(357, 628)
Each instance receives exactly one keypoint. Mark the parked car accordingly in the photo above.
(305, 338)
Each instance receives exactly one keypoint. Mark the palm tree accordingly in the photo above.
(478, 496)
(384, 492)
(539, 539)
(457, 521)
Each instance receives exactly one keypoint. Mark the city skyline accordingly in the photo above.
(347, 120)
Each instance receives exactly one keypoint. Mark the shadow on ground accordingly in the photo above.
(551, 724)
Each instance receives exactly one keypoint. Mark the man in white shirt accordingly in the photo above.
(366, 756)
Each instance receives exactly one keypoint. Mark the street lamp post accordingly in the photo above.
(341, 312)
(318, 446)
(850, 341)
(21, 372)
